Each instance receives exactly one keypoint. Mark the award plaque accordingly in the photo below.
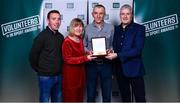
(99, 46)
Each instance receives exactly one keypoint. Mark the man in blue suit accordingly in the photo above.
(128, 44)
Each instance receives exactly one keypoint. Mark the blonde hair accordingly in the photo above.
(74, 23)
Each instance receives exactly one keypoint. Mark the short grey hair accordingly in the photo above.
(126, 6)
(99, 6)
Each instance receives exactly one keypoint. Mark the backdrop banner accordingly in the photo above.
(20, 23)
(162, 50)
(22, 20)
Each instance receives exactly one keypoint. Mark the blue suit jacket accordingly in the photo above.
(128, 44)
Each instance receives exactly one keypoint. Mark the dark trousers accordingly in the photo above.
(103, 71)
(131, 88)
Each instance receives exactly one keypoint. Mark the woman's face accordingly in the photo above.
(78, 30)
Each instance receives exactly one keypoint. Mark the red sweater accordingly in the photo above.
(74, 64)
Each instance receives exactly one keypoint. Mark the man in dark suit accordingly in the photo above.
(128, 44)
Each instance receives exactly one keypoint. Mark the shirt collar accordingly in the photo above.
(126, 26)
(51, 30)
(102, 26)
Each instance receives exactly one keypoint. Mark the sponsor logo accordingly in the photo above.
(70, 5)
(81, 17)
(68, 28)
(160, 25)
(94, 4)
(106, 17)
(61, 17)
(116, 5)
(21, 26)
(48, 5)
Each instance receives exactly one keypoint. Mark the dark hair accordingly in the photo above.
(52, 11)
(99, 6)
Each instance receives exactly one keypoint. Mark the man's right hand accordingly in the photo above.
(111, 56)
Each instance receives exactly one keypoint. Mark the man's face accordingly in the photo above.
(54, 21)
(98, 15)
(125, 16)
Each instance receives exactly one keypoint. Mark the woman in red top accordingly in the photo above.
(73, 82)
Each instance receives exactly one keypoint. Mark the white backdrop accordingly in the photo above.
(82, 9)
(112, 9)
(68, 9)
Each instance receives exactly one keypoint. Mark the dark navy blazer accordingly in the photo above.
(128, 43)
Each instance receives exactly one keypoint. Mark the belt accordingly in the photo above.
(101, 61)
